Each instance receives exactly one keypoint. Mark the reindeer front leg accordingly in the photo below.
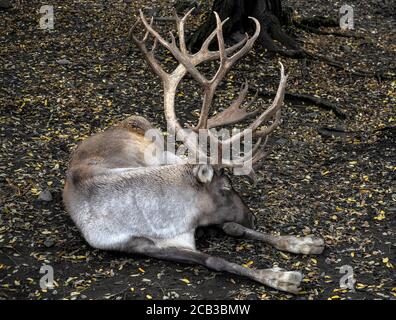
(303, 245)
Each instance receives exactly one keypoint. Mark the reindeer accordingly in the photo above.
(122, 201)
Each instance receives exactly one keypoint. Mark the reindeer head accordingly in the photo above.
(223, 199)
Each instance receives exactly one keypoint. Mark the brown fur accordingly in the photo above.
(120, 146)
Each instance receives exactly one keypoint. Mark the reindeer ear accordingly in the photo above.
(203, 173)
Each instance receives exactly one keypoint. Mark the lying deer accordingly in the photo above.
(121, 201)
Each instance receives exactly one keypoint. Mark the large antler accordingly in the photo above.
(188, 63)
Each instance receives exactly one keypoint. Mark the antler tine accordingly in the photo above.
(243, 91)
(180, 57)
(210, 87)
(146, 34)
(259, 153)
(270, 128)
(249, 43)
(154, 46)
(180, 28)
(225, 65)
(240, 161)
(234, 113)
(236, 46)
(220, 38)
(256, 159)
(254, 156)
(205, 45)
(130, 33)
(148, 55)
(268, 113)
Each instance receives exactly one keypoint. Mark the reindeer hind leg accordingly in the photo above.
(280, 279)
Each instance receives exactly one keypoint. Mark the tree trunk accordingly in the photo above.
(270, 14)
(5, 4)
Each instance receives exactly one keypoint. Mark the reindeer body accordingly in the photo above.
(114, 194)
(121, 199)
(158, 203)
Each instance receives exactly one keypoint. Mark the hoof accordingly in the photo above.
(304, 245)
(288, 281)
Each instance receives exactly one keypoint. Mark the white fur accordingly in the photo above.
(110, 216)
(305, 245)
(185, 240)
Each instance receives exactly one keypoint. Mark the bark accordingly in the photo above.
(5, 4)
(270, 13)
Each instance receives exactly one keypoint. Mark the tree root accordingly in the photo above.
(343, 34)
(319, 21)
(272, 31)
(355, 72)
(268, 43)
(328, 132)
(320, 102)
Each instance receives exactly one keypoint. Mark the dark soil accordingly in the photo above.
(338, 187)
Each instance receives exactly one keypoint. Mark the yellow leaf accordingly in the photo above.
(387, 262)
(361, 285)
(284, 256)
(248, 264)
(149, 297)
(35, 191)
(380, 216)
(185, 280)
(264, 296)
